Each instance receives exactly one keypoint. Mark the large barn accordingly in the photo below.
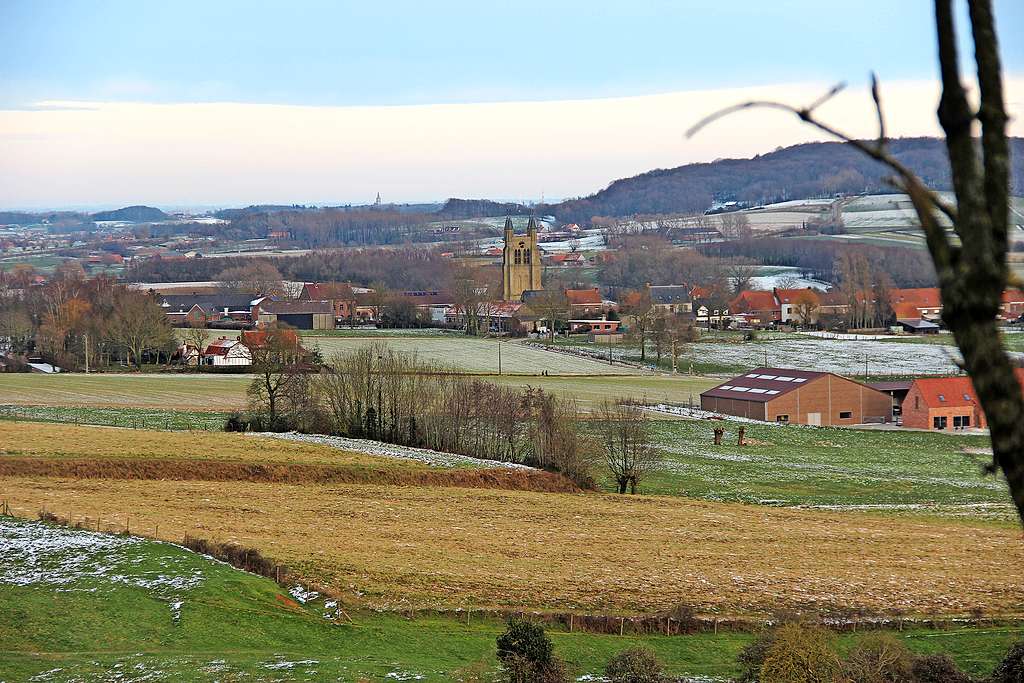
(798, 397)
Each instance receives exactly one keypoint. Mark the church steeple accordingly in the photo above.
(508, 224)
(531, 227)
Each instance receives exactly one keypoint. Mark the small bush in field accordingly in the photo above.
(937, 668)
(527, 655)
(1011, 669)
(635, 665)
(800, 654)
(751, 658)
(879, 658)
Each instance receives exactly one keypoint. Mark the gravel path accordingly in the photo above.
(387, 450)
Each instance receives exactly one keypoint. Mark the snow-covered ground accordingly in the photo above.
(386, 450)
(35, 554)
(790, 277)
(590, 240)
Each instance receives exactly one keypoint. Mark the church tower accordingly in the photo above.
(520, 264)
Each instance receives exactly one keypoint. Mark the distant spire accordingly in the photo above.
(378, 202)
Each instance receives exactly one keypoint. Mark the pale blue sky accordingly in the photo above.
(185, 103)
(369, 53)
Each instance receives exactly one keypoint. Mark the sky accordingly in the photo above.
(229, 103)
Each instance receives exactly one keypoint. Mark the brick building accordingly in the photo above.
(798, 397)
(945, 403)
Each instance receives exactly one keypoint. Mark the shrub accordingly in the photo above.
(751, 658)
(937, 668)
(635, 665)
(527, 655)
(525, 640)
(1011, 669)
(879, 658)
(800, 654)
(235, 423)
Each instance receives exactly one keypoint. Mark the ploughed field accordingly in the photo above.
(387, 535)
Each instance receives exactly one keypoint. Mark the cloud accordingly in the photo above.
(67, 152)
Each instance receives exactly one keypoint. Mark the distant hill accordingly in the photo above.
(803, 171)
(478, 208)
(134, 214)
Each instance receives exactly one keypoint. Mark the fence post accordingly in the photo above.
(570, 622)
(622, 625)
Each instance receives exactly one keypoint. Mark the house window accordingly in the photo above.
(917, 403)
(961, 421)
(942, 398)
(846, 415)
(939, 422)
(782, 418)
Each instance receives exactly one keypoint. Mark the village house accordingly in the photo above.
(340, 294)
(797, 306)
(594, 327)
(757, 307)
(921, 303)
(798, 397)
(945, 404)
(670, 298)
(224, 352)
(584, 302)
(200, 310)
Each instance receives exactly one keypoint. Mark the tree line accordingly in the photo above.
(73, 321)
(378, 393)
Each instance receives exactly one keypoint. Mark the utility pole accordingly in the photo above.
(87, 353)
(499, 356)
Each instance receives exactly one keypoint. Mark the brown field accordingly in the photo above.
(33, 449)
(416, 547)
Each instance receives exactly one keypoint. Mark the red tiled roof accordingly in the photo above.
(952, 392)
(318, 291)
(256, 338)
(923, 297)
(583, 296)
(754, 300)
(1013, 296)
(789, 296)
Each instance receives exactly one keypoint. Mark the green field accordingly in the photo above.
(180, 396)
(86, 606)
(833, 467)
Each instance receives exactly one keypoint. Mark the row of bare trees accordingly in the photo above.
(378, 393)
(74, 321)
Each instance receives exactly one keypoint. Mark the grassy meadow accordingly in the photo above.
(181, 398)
(116, 608)
(830, 467)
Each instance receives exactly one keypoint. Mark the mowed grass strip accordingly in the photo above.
(418, 547)
(171, 391)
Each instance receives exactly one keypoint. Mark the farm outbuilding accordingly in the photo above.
(302, 315)
(798, 397)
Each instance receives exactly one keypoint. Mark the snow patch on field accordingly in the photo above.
(35, 554)
(387, 450)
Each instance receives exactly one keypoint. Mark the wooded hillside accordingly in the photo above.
(809, 170)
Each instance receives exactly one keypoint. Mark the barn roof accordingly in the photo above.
(297, 306)
(763, 384)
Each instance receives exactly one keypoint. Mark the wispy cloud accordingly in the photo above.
(64, 152)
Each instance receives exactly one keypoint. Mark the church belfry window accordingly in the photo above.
(529, 256)
(519, 257)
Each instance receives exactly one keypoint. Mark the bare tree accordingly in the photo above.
(195, 337)
(806, 305)
(139, 325)
(276, 354)
(971, 264)
(258, 279)
(552, 306)
(625, 438)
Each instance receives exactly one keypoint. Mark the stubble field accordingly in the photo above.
(423, 547)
